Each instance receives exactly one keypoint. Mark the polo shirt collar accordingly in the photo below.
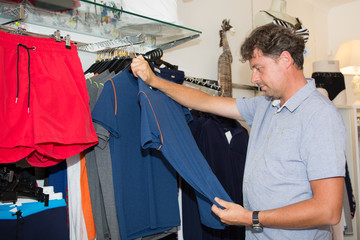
(296, 100)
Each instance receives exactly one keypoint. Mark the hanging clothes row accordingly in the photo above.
(128, 163)
(140, 173)
(124, 142)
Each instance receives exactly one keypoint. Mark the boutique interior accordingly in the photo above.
(62, 187)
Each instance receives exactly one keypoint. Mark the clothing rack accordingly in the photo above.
(110, 44)
(213, 84)
(204, 82)
(245, 87)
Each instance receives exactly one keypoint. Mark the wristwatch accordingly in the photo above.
(256, 226)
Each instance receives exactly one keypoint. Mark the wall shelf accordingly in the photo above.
(105, 27)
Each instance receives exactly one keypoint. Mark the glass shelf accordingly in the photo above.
(102, 27)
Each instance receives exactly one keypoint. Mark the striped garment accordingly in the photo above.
(298, 27)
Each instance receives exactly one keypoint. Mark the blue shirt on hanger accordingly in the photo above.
(145, 184)
(164, 127)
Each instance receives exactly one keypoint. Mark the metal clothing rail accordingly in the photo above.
(109, 44)
(213, 84)
(204, 82)
(245, 87)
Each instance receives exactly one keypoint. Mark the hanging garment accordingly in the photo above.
(95, 84)
(332, 82)
(45, 114)
(77, 222)
(85, 199)
(98, 165)
(57, 177)
(104, 168)
(223, 142)
(34, 221)
(164, 127)
(299, 29)
(83, 208)
(145, 184)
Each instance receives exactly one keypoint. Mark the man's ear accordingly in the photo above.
(286, 59)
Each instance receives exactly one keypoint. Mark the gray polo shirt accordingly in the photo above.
(289, 147)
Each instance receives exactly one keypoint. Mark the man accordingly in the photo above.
(295, 167)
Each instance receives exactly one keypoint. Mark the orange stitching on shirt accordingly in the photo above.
(162, 142)
(114, 95)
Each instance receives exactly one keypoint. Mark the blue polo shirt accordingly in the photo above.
(289, 146)
(145, 184)
(164, 127)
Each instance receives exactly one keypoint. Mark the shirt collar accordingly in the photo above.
(298, 97)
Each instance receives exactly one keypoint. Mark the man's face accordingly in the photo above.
(267, 73)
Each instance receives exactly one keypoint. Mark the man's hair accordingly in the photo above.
(272, 40)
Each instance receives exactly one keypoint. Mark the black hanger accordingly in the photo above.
(93, 66)
(106, 65)
(154, 56)
(98, 66)
(121, 64)
(16, 182)
(89, 70)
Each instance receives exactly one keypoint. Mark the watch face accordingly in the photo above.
(257, 229)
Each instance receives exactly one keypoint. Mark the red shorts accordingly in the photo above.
(44, 104)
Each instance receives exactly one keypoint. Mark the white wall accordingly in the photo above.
(199, 57)
(343, 25)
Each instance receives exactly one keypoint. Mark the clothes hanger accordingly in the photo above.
(107, 63)
(102, 59)
(120, 63)
(114, 63)
(16, 182)
(154, 57)
(96, 65)
(93, 66)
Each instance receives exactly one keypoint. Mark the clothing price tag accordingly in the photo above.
(228, 136)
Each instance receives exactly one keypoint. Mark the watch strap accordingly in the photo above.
(255, 218)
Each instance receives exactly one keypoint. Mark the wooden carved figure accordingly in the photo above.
(225, 60)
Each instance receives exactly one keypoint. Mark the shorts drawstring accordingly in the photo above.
(17, 69)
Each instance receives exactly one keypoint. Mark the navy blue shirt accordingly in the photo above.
(227, 160)
(145, 185)
(164, 127)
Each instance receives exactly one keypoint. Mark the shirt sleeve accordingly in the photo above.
(151, 136)
(323, 145)
(247, 108)
(105, 109)
(187, 114)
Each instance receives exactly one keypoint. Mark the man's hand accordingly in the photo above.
(232, 214)
(140, 68)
